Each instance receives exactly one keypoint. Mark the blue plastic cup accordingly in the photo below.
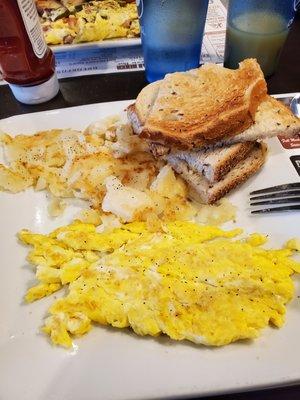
(172, 33)
(257, 29)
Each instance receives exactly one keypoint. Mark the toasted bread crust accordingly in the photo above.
(200, 106)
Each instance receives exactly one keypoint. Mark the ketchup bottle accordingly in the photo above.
(27, 64)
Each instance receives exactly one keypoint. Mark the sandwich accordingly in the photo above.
(209, 123)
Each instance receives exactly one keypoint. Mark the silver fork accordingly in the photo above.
(281, 194)
(288, 194)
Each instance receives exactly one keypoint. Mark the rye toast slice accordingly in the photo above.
(272, 118)
(204, 191)
(206, 104)
(213, 164)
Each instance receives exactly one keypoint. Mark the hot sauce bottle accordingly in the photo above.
(27, 64)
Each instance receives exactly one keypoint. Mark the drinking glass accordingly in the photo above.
(257, 29)
(171, 32)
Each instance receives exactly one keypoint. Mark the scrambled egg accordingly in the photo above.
(183, 280)
(96, 20)
(107, 166)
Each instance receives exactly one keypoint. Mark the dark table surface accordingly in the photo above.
(124, 86)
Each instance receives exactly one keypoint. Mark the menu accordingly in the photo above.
(99, 61)
(75, 62)
(214, 38)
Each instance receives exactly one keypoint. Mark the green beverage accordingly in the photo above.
(258, 34)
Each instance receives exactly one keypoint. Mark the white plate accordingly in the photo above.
(114, 364)
(101, 44)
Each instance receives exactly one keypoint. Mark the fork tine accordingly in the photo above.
(286, 186)
(276, 209)
(276, 195)
(277, 201)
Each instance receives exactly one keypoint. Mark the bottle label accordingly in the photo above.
(33, 26)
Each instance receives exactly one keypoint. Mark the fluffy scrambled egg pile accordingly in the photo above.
(92, 21)
(107, 166)
(184, 280)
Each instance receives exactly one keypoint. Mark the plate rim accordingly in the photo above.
(218, 391)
